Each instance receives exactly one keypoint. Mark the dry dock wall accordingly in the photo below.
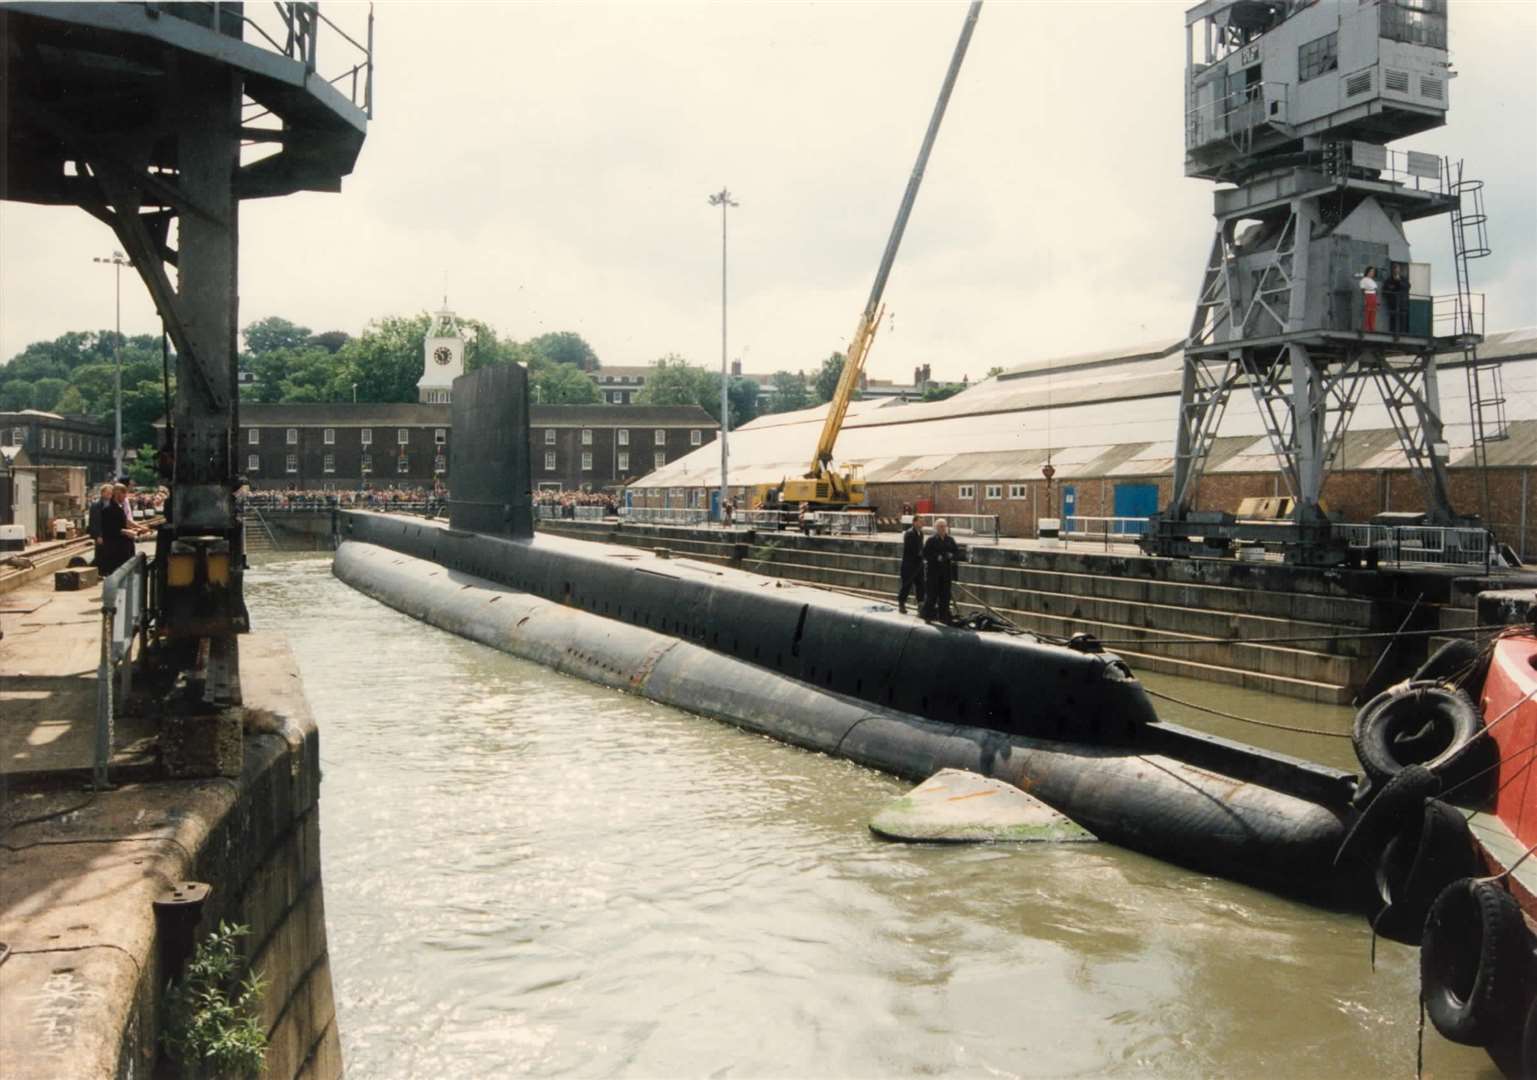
(80, 992)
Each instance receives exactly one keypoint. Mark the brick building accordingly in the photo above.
(601, 447)
(1106, 422)
(52, 439)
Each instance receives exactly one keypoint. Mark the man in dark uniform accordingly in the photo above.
(93, 520)
(912, 563)
(1395, 297)
(939, 556)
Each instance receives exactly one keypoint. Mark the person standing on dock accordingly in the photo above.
(912, 563)
(1369, 299)
(939, 556)
(1395, 297)
(93, 522)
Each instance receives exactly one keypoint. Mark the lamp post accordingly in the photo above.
(722, 199)
(118, 261)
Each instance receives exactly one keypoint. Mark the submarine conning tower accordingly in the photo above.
(1289, 107)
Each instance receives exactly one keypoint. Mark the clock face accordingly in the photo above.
(442, 354)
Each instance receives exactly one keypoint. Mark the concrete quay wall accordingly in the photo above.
(81, 990)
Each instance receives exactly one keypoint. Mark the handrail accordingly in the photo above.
(1423, 545)
(124, 614)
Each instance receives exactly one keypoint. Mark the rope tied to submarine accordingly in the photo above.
(1244, 719)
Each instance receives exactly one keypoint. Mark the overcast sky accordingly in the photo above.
(551, 163)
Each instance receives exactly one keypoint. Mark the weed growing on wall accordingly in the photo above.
(213, 1022)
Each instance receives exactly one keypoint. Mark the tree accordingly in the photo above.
(790, 391)
(331, 340)
(565, 347)
(273, 333)
(385, 360)
(993, 371)
(940, 391)
(674, 381)
(70, 402)
(742, 395)
(46, 393)
(827, 376)
(15, 394)
(564, 384)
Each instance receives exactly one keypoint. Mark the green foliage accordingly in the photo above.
(331, 340)
(213, 1016)
(825, 382)
(15, 394)
(992, 371)
(790, 392)
(674, 381)
(142, 468)
(564, 347)
(274, 333)
(47, 391)
(563, 384)
(940, 391)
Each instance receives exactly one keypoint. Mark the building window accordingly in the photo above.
(624, 463)
(293, 436)
(587, 436)
(661, 437)
(367, 435)
(440, 436)
(329, 436)
(403, 464)
(624, 436)
(1016, 491)
(254, 437)
(967, 491)
(695, 437)
(549, 461)
(660, 459)
(368, 462)
(292, 464)
(330, 463)
(640, 380)
(253, 463)
(440, 464)
(994, 491)
(549, 436)
(586, 462)
(402, 435)
(18, 436)
(1317, 56)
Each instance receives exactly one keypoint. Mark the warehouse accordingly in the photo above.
(1105, 422)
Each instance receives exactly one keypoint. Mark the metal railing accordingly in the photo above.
(1106, 529)
(774, 519)
(843, 522)
(124, 615)
(592, 513)
(665, 515)
(1235, 116)
(1420, 545)
(293, 29)
(984, 526)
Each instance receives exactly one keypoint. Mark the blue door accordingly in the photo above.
(1069, 506)
(1135, 501)
(629, 497)
(715, 505)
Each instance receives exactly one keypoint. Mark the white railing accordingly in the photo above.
(124, 614)
(665, 515)
(591, 513)
(1424, 545)
(843, 522)
(777, 519)
(543, 511)
(1105, 529)
(984, 526)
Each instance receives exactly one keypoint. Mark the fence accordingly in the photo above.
(592, 513)
(1107, 529)
(1422, 545)
(843, 522)
(775, 519)
(665, 515)
(124, 614)
(984, 526)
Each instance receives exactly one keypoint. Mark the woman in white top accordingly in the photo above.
(1369, 295)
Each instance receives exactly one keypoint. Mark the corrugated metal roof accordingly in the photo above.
(1111, 415)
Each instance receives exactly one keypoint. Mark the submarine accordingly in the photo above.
(838, 674)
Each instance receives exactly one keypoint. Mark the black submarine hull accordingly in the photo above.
(1191, 799)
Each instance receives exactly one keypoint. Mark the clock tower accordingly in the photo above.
(442, 358)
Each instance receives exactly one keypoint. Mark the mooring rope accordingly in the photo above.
(1245, 719)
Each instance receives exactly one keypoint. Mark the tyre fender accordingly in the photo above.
(1401, 800)
(1459, 663)
(1417, 724)
(1474, 959)
(1426, 855)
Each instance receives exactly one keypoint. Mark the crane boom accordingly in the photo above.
(869, 319)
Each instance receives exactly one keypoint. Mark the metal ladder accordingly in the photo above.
(1486, 391)
(258, 534)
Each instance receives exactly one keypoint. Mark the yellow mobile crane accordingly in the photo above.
(822, 487)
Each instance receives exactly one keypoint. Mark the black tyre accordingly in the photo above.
(1420, 724)
(1400, 801)
(1473, 960)
(1528, 1062)
(1463, 664)
(1421, 860)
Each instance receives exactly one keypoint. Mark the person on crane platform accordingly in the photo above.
(912, 563)
(1369, 299)
(940, 553)
(1395, 298)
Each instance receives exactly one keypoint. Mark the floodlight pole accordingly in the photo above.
(117, 261)
(722, 199)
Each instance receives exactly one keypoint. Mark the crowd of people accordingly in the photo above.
(369, 498)
(568, 501)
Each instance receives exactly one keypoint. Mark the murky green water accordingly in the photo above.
(526, 874)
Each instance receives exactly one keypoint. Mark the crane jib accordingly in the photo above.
(869, 320)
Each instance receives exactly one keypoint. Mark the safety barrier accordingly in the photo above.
(665, 515)
(591, 513)
(843, 522)
(773, 519)
(124, 614)
(1106, 529)
(982, 526)
(1420, 545)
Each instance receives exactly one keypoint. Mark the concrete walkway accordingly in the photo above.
(48, 660)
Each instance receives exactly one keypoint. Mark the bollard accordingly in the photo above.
(178, 911)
